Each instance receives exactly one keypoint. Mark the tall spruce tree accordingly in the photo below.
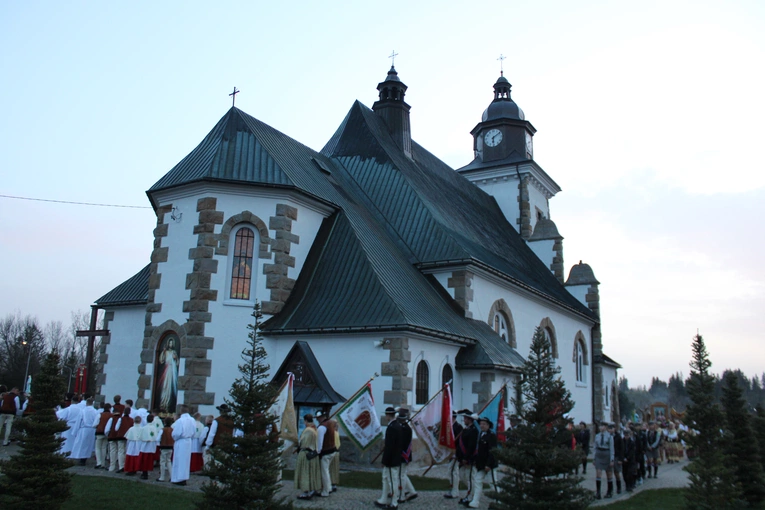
(759, 431)
(712, 481)
(244, 474)
(741, 444)
(539, 454)
(36, 477)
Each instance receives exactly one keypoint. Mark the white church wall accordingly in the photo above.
(544, 250)
(538, 203)
(125, 343)
(436, 355)
(609, 382)
(579, 292)
(527, 313)
(504, 189)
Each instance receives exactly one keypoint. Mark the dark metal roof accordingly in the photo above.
(133, 291)
(242, 149)
(545, 229)
(581, 274)
(607, 361)
(311, 386)
(437, 213)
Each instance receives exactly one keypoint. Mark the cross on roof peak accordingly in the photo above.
(233, 96)
(392, 58)
(501, 64)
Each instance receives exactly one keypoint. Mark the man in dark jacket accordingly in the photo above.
(583, 444)
(408, 492)
(457, 471)
(618, 455)
(391, 461)
(640, 447)
(628, 461)
(484, 462)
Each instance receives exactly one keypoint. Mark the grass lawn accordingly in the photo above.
(373, 480)
(90, 491)
(658, 499)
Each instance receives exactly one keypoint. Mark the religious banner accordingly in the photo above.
(495, 411)
(284, 409)
(359, 418)
(427, 423)
(166, 373)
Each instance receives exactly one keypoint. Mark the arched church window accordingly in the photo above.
(501, 320)
(446, 374)
(422, 390)
(549, 331)
(579, 360)
(166, 363)
(241, 263)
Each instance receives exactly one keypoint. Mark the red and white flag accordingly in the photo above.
(433, 424)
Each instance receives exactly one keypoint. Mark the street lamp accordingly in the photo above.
(29, 356)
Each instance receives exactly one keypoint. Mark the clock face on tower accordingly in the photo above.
(493, 137)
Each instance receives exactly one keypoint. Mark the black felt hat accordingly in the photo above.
(390, 410)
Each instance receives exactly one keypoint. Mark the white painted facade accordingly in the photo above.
(124, 351)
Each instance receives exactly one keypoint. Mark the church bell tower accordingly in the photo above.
(394, 110)
(504, 166)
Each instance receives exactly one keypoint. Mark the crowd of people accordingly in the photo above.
(631, 453)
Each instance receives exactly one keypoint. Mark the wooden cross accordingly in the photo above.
(91, 333)
(233, 95)
(501, 66)
(392, 57)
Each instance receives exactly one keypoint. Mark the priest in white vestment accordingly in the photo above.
(184, 430)
(85, 441)
(71, 415)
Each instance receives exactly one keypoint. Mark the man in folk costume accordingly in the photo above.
(222, 426)
(653, 443)
(467, 445)
(629, 464)
(70, 414)
(118, 406)
(327, 450)
(197, 459)
(408, 491)
(183, 434)
(118, 441)
(102, 436)
(391, 461)
(166, 452)
(307, 467)
(85, 442)
(603, 459)
(334, 466)
(454, 470)
(9, 404)
(485, 463)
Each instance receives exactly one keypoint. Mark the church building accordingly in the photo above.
(370, 255)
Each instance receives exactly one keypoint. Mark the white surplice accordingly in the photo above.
(184, 430)
(85, 441)
(71, 415)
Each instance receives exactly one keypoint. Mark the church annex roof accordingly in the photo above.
(242, 149)
(311, 384)
(133, 291)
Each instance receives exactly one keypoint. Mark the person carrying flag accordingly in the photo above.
(408, 491)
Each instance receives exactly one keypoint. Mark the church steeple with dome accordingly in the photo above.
(504, 165)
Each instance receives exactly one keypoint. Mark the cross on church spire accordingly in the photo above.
(233, 96)
(392, 57)
(501, 64)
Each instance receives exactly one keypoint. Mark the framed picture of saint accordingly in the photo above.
(165, 394)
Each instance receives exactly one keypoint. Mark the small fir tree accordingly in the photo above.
(759, 431)
(538, 454)
(740, 443)
(712, 482)
(245, 469)
(36, 477)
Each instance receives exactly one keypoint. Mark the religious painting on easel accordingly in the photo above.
(166, 373)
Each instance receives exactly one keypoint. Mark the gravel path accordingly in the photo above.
(670, 476)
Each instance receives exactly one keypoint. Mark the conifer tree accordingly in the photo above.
(36, 477)
(712, 482)
(539, 453)
(245, 469)
(759, 431)
(740, 442)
